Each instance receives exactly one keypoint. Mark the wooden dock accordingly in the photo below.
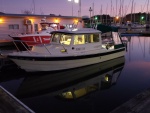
(6, 42)
(135, 33)
(10, 104)
(139, 104)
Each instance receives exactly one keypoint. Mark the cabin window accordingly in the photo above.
(79, 39)
(107, 38)
(117, 39)
(65, 39)
(86, 38)
(91, 38)
(95, 37)
(55, 37)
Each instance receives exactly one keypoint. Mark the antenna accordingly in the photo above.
(33, 7)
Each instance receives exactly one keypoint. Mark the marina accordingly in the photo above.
(103, 88)
(74, 56)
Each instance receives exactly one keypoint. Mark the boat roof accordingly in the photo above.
(106, 28)
(77, 31)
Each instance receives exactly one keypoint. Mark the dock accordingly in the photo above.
(135, 32)
(6, 42)
(10, 104)
(139, 104)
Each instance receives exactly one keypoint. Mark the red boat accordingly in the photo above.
(42, 36)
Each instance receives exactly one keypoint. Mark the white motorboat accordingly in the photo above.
(73, 83)
(70, 49)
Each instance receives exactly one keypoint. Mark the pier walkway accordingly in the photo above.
(10, 104)
(139, 104)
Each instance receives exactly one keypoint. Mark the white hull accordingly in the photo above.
(32, 66)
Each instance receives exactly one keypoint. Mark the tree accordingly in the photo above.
(26, 12)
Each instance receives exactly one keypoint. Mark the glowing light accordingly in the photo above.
(106, 77)
(56, 20)
(76, 1)
(76, 21)
(117, 17)
(32, 20)
(1, 20)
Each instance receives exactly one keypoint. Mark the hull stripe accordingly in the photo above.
(63, 58)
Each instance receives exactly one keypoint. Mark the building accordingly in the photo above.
(29, 23)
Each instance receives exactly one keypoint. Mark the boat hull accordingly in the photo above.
(32, 64)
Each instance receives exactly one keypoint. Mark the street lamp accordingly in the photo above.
(90, 14)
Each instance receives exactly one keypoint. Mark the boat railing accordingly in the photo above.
(22, 46)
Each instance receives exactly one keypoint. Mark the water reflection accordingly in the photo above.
(74, 83)
(138, 48)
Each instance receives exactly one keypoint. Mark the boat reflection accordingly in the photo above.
(74, 83)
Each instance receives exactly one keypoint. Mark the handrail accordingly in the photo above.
(14, 41)
(47, 49)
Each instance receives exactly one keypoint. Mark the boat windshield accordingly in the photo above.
(111, 37)
(86, 38)
(62, 38)
(117, 39)
(77, 38)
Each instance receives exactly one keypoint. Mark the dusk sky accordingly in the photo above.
(64, 7)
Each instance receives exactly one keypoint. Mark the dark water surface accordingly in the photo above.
(98, 88)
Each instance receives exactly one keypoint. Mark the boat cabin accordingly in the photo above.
(83, 41)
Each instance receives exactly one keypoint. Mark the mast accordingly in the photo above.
(134, 12)
(101, 15)
(147, 12)
(93, 9)
(106, 13)
(116, 8)
(33, 6)
(132, 9)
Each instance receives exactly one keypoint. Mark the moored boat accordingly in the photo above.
(70, 49)
(73, 83)
(42, 36)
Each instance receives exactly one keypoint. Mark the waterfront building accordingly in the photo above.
(30, 23)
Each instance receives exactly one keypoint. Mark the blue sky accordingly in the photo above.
(63, 7)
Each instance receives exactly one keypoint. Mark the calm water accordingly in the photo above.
(95, 89)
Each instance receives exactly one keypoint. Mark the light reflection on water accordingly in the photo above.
(103, 87)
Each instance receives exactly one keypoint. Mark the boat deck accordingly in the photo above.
(10, 104)
(139, 104)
